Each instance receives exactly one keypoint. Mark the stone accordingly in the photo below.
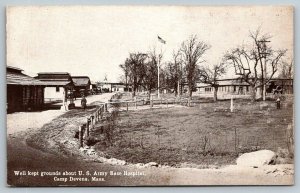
(140, 165)
(91, 152)
(83, 149)
(151, 164)
(256, 158)
(114, 161)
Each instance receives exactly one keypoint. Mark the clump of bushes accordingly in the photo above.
(90, 141)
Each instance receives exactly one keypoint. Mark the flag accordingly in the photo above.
(161, 40)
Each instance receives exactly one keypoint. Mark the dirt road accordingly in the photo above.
(21, 121)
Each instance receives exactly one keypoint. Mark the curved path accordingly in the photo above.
(21, 121)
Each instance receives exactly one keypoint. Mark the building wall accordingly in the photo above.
(227, 89)
(24, 98)
(120, 89)
(107, 86)
(51, 93)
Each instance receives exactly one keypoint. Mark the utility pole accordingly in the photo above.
(264, 54)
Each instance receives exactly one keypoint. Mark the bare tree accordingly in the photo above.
(173, 72)
(151, 70)
(125, 78)
(134, 69)
(210, 75)
(286, 70)
(192, 51)
(249, 62)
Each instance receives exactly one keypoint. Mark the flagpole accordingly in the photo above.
(158, 95)
(158, 80)
(158, 67)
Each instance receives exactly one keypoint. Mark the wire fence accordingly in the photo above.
(234, 141)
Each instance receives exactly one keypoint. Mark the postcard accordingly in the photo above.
(150, 95)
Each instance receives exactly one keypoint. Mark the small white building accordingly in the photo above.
(58, 84)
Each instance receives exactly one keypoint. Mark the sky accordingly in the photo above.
(95, 40)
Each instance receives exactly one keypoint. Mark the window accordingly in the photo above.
(207, 89)
(57, 89)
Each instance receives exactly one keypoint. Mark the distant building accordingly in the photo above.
(58, 85)
(238, 86)
(23, 92)
(82, 85)
(118, 87)
(105, 86)
(114, 87)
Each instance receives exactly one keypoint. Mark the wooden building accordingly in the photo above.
(82, 85)
(24, 93)
(58, 85)
(240, 87)
(114, 87)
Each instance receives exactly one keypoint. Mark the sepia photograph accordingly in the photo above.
(149, 95)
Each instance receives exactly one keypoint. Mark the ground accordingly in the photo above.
(197, 136)
(53, 147)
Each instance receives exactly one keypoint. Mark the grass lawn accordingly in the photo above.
(177, 136)
(196, 136)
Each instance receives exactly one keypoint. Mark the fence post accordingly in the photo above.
(135, 102)
(235, 142)
(100, 113)
(88, 127)
(92, 121)
(127, 106)
(167, 102)
(80, 136)
(105, 107)
(231, 104)
(151, 101)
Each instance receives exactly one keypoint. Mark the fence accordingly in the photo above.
(84, 129)
(234, 141)
(102, 111)
(142, 101)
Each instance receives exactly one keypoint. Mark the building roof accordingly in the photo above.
(202, 85)
(13, 69)
(118, 86)
(16, 77)
(81, 80)
(57, 83)
(236, 82)
(55, 78)
(112, 83)
(66, 73)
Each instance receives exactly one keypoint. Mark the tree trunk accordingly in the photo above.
(216, 93)
(253, 93)
(190, 91)
(176, 93)
(133, 91)
(178, 88)
(149, 94)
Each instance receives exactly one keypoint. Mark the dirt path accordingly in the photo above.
(93, 98)
(21, 121)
